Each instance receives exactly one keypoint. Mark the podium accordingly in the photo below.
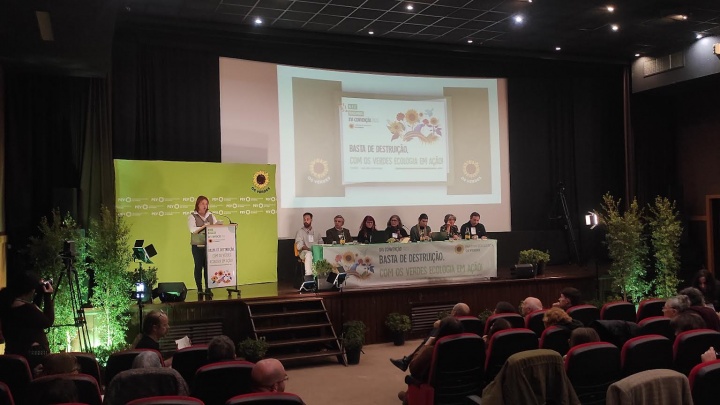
(221, 260)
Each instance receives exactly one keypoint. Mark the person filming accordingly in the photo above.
(23, 322)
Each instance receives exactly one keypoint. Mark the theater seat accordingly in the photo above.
(215, 383)
(471, 324)
(556, 338)
(618, 310)
(121, 361)
(456, 371)
(651, 387)
(167, 400)
(592, 367)
(15, 372)
(705, 383)
(586, 314)
(656, 325)
(515, 320)
(504, 344)
(690, 345)
(534, 321)
(646, 353)
(265, 398)
(650, 307)
(6, 397)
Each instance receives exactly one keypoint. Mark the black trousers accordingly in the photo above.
(200, 259)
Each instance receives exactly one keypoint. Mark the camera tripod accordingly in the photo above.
(69, 276)
(567, 225)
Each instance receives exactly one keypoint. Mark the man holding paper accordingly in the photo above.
(304, 239)
(473, 229)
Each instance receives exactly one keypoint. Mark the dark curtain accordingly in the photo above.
(166, 102)
(566, 139)
(58, 150)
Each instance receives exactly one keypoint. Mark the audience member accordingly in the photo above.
(705, 281)
(569, 297)
(338, 234)
(450, 228)
(57, 391)
(59, 363)
(155, 326)
(147, 360)
(709, 355)
(583, 335)
(473, 229)
(420, 364)
(268, 375)
(558, 317)
(305, 238)
(421, 231)
(23, 322)
(366, 230)
(530, 304)
(504, 307)
(460, 309)
(395, 229)
(497, 325)
(673, 306)
(697, 305)
(685, 321)
(221, 348)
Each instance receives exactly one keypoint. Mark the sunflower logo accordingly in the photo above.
(319, 168)
(261, 180)
(471, 169)
(459, 249)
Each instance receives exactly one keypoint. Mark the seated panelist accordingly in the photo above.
(338, 234)
(366, 230)
(421, 231)
(395, 228)
(473, 229)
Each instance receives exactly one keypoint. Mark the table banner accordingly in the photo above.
(388, 264)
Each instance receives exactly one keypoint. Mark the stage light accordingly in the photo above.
(615, 27)
(591, 219)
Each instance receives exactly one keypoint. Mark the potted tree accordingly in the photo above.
(322, 267)
(353, 340)
(252, 349)
(398, 324)
(537, 258)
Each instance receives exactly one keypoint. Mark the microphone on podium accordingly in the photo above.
(224, 216)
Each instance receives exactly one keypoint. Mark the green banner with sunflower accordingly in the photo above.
(156, 199)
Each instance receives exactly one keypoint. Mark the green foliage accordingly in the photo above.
(252, 350)
(109, 248)
(485, 314)
(665, 230)
(627, 249)
(354, 335)
(533, 256)
(44, 252)
(398, 322)
(322, 267)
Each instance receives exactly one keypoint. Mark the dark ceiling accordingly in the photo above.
(581, 28)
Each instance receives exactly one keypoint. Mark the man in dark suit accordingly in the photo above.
(338, 234)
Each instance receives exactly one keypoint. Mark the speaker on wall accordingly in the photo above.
(172, 292)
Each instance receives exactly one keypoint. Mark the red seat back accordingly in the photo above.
(646, 353)
(121, 361)
(265, 398)
(167, 400)
(515, 320)
(504, 344)
(556, 338)
(188, 360)
(618, 310)
(215, 383)
(705, 383)
(592, 367)
(534, 321)
(586, 314)
(650, 307)
(15, 372)
(690, 345)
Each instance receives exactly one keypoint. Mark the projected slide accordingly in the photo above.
(389, 141)
(358, 144)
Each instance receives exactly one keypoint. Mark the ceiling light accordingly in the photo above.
(469, 41)
(637, 55)
(409, 7)
(518, 19)
(610, 8)
(615, 27)
(557, 48)
(684, 17)
(258, 20)
(698, 35)
(371, 32)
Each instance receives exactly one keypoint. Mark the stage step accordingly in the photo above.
(295, 329)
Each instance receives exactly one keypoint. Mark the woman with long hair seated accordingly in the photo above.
(367, 227)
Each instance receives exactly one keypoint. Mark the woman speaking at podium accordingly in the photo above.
(197, 221)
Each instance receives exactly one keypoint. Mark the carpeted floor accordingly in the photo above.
(374, 381)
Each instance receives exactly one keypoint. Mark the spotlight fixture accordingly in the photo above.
(258, 21)
(637, 55)
(699, 35)
(557, 48)
(371, 32)
(410, 7)
(684, 17)
(591, 219)
(518, 19)
(615, 27)
(469, 41)
(610, 8)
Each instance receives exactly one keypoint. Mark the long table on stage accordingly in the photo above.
(390, 264)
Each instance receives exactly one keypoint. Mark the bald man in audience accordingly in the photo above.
(460, 309)
(268, 375)
(530, 304)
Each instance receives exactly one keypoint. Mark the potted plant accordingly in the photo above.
(398, 325)
(353, 340)
(322, 267)
(252, 349)
(537, 258)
